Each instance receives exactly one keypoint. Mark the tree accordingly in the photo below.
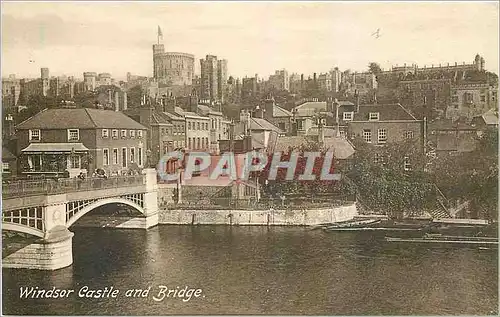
(374, 68)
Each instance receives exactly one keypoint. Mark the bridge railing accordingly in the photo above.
(50, 186)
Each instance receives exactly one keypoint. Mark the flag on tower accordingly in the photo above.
(159, 32)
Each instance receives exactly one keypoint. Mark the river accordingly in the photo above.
(261, 270)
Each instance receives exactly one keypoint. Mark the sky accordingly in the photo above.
(255, 37)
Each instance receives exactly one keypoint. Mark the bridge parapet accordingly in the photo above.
(26, 188)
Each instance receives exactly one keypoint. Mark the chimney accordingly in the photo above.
(259, 112)
(193, 101)
(117, 101)
(124, 100)
(337, 123)
(356, 95)
(268, 108)
(321, 134)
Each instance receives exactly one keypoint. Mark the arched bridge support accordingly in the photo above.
(50, 216)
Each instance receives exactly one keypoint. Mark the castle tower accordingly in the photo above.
(477, 62)
(44, 74)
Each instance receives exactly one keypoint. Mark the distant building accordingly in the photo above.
(172, 68)
(9, 164)
(280, 80)
(448, 137)
(471, 99)
(249, 87)
(90, 81)
(213, 79)
(488, 119)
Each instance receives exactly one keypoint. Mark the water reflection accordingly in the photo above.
(260, 270)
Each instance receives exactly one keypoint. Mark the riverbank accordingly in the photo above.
(280, 217)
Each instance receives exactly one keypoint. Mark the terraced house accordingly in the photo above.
(58, 142)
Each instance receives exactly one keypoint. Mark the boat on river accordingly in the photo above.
(352, 224)
(439, 238)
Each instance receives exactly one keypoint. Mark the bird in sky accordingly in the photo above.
(376, 34)
(31, 61)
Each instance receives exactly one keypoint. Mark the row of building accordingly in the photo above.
(67, 141)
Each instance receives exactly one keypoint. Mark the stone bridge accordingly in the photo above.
(46, 209)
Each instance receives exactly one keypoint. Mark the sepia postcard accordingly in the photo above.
(249, 158)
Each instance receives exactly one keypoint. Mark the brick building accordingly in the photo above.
(79, 140)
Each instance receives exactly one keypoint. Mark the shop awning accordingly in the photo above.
(55, 148)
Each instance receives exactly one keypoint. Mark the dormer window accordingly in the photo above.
(73, 134)
(348, 116)
(374, 116)
(35, 135)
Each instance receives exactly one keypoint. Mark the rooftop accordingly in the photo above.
(80, 118)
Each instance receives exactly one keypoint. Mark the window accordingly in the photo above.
(114, 134)
(378, 158)
(124, 157)
(406, 163)
(189, 143)
(139, 133)
(124, 133)
(132, 134)
(189, 125)
(367, 135)
(374, 116)
(408, 134)
(105, 133)
(105, 157)
(468, 98)
(382, 135)
(73, 134)
(115, 156)
(197, 146)
(139, 156)
(483, 98)
(342, 133)
(454, 99)
(281, 125)
(35, 135)
(74, 161)
(348, 116)
(300, 124)
(5, 168)
(197, 126)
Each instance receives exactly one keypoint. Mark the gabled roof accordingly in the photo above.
(327, 132)
(181, 112)
(490, 117)
(79, 118)
(206, 110)
(312, 107)
(447, 124)
(7, 155)
(387, 112)
(280, 112)
(262, 124)
(172, 116)
(341, 148)
(159, 118)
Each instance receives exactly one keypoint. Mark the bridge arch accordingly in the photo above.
(101, 202)
(17, 227)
